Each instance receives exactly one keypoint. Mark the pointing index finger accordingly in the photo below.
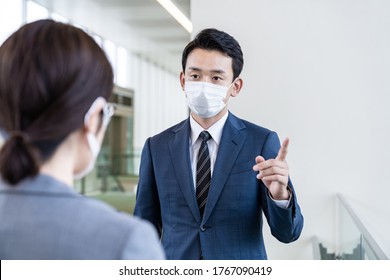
(283, 150)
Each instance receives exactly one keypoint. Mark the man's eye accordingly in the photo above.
(194, 76)
(216, 78)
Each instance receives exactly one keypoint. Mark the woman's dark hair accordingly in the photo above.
(213, 39)
(50, 74)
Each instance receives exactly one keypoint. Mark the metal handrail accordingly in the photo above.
(376, 249)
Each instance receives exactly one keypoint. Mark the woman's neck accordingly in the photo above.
(61, 164)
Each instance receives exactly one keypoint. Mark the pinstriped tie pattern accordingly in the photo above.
(203, 172)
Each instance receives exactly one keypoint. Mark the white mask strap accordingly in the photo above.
(99, 101)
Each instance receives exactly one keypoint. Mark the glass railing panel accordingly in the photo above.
(355, 241)
(349, 236)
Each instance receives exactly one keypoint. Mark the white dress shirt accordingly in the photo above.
(213, 144)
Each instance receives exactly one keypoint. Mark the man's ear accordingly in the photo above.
(237, 86)
(182, 80)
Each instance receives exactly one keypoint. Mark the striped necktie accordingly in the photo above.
(203, 172)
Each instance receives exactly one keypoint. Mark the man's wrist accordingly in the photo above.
(283, 203)
(286, 195)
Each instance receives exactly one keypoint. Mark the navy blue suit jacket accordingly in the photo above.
(231, 227)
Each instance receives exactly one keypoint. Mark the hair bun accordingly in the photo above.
(18, 158)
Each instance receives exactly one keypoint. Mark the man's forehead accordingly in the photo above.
(209, 60)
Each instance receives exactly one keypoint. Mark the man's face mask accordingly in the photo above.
(205, 99)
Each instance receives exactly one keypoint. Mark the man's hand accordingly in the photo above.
(274, 173)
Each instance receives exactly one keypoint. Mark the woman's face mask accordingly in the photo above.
(92, 140)
(94, 147)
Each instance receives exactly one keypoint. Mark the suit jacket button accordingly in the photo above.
(202, 228)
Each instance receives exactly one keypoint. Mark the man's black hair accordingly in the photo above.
(213, 39)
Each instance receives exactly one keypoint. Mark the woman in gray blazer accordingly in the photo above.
(54, 83)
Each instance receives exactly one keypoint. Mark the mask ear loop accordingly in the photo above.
(99, 101)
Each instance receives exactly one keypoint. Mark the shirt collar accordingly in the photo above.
(215, 130)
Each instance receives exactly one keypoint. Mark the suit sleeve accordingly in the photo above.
(286, 224)
(147, 204)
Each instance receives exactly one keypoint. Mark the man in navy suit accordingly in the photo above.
(205, 182)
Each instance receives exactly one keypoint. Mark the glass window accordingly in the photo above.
(122, 79)
(110, 49)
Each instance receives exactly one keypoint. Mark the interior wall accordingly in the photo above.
(318, 72)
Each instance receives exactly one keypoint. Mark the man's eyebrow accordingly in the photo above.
(194, 68)
(218, 71)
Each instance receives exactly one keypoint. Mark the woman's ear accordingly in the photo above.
(93, 119)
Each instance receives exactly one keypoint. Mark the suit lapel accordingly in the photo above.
(179, 151)
(232, 139)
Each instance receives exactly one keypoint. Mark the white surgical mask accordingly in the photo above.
(205, 99)
(92, 141)
(94, 146)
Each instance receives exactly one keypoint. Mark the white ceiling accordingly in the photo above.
(142, 26)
